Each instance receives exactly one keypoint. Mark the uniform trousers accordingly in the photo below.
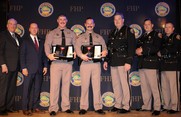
(121, 88)
(171, 89)
(90, 71)
(150, 87)
(60, 72)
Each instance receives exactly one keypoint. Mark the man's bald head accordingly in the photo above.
(11, 25)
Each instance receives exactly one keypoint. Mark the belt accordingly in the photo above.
(65, 60)
(151, 58)
(169, 56)
(119, 55)
(118, 49)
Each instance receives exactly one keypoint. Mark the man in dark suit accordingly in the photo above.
(9, 60)
(33, 64)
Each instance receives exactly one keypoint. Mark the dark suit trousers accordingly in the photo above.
(3, 90)
(32, 85)
(7, 89)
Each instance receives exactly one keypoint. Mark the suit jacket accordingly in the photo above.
(30, 58)
(9, 51)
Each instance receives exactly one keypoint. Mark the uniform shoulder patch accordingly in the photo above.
(160, 35)
(49, 32)
(178, 37)
(82, 35)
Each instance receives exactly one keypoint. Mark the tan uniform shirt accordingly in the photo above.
(54, 37)
(84, 40)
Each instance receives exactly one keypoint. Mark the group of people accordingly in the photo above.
(159, 54)
(30, 55)
(26, 55)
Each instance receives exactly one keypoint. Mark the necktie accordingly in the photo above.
(15, 39)
(63, 38)
(116, 34)
(36, 44)
(90, 39)
(117, 31)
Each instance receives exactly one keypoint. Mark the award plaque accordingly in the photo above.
(63, 52)
(92, 51)
(97, 51)
(88, 50)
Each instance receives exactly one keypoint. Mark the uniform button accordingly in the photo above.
(111, 43)
(111, 53)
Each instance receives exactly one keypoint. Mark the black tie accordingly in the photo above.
(90, 38)
(63, 38)
(117, 32)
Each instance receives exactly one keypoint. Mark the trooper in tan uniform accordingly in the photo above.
(60, 70)
(89, 69)
(148, 62)
(170, 69)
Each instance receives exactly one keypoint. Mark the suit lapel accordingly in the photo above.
(40, 44)
(11, 39)
(32, 43)
(39, 41)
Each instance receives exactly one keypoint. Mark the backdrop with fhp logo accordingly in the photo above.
(45, 14)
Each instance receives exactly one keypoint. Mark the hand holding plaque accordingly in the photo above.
(92, 51)
(97, 51)
(89, 50)
(63, 52)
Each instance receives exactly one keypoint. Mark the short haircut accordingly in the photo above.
(169, 23)
(33, 23)
(120, 14)
(62, 16)
(148, 19)
(89, 18)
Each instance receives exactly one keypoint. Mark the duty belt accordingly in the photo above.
(169, 59)
(168, 56)
(151, 58)
(118, 49)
